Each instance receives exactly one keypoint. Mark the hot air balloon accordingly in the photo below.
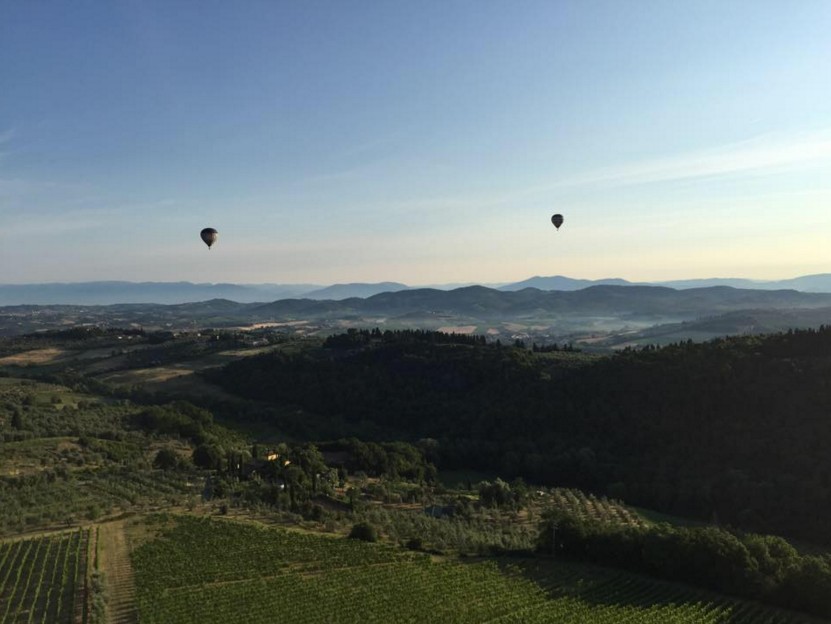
(209, 236)
(557, 220)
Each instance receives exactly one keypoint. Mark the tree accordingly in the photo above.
(166, 459)
(364, 531)
(208, 456)
(296, 484)
(309, 459)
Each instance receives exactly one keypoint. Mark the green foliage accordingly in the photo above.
(98, 602)
(76, 460)
(364, 531)
(354, 338)
(39, 577)
(759, 567)
(734, 429)
(396, 460)
(502, 495)
(65, 497)
(178, 418)
(470, 532)
(27, 411)
(221, 571)
(415, 543)
(400, 381)
(208, 456)
(590, 508)
(166, 459)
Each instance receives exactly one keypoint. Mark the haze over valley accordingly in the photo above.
(112, 292)
(607, 315)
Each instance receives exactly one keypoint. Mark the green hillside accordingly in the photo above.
(730, 432)
(733, 431)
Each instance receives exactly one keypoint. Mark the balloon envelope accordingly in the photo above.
(209, 236)
(557, 220)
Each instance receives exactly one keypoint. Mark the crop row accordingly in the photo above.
(39, 578)
(590, 507)
(606, 586)
(84, 495)
(256, 552)
(404, 592)
(220, 571)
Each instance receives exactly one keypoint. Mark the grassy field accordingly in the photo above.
(202, 570)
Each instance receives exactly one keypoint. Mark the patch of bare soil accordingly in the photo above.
(35, 356)
(458, 329)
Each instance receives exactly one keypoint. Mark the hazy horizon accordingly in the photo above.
(424, 285)
(424, 144)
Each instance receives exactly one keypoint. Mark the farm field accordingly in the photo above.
(202, 570)
(40, 578)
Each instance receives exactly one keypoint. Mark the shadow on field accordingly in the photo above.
(601, 586)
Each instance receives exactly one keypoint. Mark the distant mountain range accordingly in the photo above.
(819, 283)
(560, 282)
(345, 291)
(478, 302)
(592, 313)
(112, 292)
(107, 293)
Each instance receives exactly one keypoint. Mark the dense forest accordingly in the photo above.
(733, 431)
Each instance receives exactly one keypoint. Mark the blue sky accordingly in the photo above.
(422, 142)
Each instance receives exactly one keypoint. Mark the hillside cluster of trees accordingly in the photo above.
(290, 476)
(759, 567)
(733, 431)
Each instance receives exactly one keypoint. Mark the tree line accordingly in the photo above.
(758, 567)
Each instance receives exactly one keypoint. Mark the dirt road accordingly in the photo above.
(114, 563)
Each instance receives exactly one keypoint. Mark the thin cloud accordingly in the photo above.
(69, 218)
(756, 155)
(44, 195)
(764, 154)
(51, 225)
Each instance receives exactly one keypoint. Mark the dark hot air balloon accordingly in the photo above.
(557, 220)
(209, 236)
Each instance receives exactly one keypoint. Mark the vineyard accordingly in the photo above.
(40, 579)
(199, 570)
